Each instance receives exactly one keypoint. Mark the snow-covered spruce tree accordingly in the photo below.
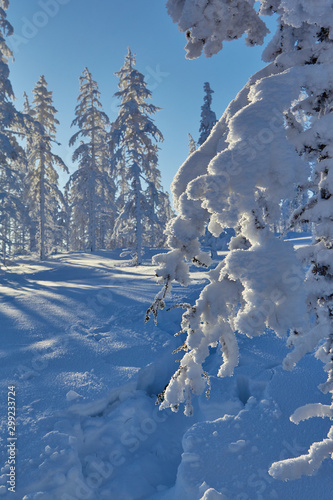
(314, 141)
(107, 210)
(159, 210)
(165, 214)
(159, 213)
(17, 221)
(31, 224)
(237, 179)
(12, 160)
(45, 198)
(135, 155)
(61, 234)
(91, 187)
(191, 144)
(208, 120)
(208, 117)
(152, 196)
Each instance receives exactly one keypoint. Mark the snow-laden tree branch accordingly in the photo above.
(304, 465)
(208, 24)
(231, 182)
(256, 156)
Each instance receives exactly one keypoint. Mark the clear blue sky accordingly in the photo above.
(58, 38)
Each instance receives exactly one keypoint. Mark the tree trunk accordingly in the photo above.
(42, 253)
(138, 217)
(92, 207)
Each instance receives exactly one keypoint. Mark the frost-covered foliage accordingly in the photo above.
(45, 198)
(208, 117)
(92, 186)
(314, 141)
(288, 207)
(132, 142)
(208, 23)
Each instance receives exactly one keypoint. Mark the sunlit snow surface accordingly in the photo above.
(87, 371)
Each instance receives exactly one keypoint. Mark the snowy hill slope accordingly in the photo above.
(87, 371)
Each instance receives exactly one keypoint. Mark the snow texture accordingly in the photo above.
(87, 373)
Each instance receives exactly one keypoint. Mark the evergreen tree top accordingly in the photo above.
(132, 85)
(26, 105)
(42, 107)
(135, 111)
(191, 144)
(89, 115)
(89, 86)
(208, 117)
(208, 94)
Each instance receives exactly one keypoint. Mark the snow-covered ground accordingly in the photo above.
(87, 371)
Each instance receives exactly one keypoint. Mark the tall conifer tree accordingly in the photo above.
(208, 117)
(191, 144)
(46, 199)
(12, 158)
(133, 142)
(92, 188)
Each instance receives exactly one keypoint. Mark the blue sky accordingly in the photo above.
(58, 38)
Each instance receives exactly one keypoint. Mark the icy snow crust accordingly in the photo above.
(87, 371)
